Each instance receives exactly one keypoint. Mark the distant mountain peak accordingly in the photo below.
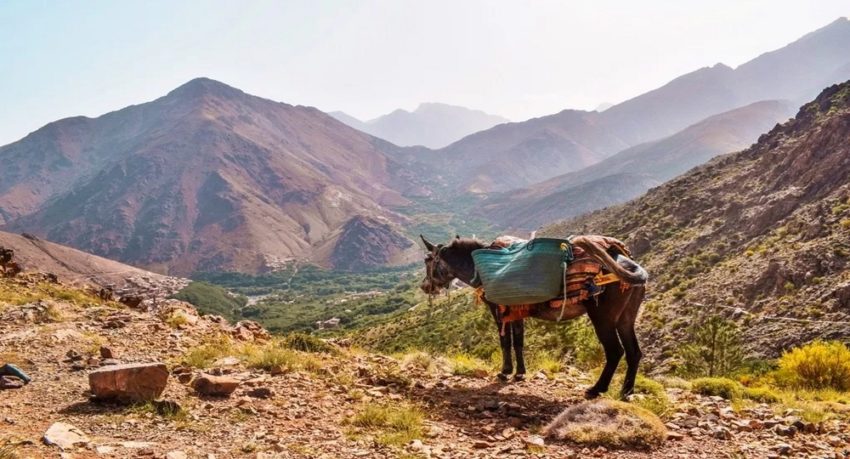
(431, 124)
(202, 86)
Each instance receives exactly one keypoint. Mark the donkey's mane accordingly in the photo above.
(466, 244)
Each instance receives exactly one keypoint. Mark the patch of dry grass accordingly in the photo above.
(608, 423)
(393, 424)
(466, 365)
(268, 356)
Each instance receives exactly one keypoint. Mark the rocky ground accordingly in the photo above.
(306, 406)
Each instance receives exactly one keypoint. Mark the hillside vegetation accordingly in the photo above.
(760, 237)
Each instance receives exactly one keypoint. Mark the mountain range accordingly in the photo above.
(633, 171)
(761, 236)
(204, 178)
(432, 125)
(516, 155)
(209, 178)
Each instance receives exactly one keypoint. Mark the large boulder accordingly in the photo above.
(216, 386)
(134, 382)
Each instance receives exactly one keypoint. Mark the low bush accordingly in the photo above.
(307, 343)
(417, 360)
(608, 423)
(761, 394)
(204, 355)
(466, 365)
(817, 365)
(721, 387)
(395, 424)
(648, 394)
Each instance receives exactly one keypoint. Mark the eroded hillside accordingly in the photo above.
(762, 236)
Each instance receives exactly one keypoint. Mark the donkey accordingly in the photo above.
(612, 313)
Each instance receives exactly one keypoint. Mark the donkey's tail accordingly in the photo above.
(625, 268)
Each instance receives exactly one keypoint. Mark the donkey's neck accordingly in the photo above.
(460, 258)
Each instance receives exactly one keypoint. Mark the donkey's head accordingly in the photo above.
(447, 262)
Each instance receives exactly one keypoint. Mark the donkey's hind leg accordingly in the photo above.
(633, 355)
(626, 331)
(518, 332)
(607, 334)
(504, 343)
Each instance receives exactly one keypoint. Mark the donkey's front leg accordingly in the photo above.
(504, 343)
(518, 335)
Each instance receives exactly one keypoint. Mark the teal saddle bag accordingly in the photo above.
(524, 273)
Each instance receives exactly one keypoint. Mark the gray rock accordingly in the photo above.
(65, 436)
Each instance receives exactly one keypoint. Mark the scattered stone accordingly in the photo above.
(260, 392)
(248, 330)
(65, 436)
(784, 449)
(784, 431)
(534, 440)
(216, 386)
(675, 436)
(228, 361)
(106, 353)
(176, 455)
(130, 382)
(480, 444)
(11, 382)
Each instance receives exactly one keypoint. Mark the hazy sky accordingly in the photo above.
(518, 59)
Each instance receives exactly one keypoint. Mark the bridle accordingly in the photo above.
(431, 267)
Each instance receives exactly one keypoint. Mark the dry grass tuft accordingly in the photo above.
(608, 423)
(393, 424)
(8, 452)
(466, 365)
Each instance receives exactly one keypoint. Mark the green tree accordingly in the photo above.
(714, 348)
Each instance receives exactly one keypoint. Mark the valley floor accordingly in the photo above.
(316, 407)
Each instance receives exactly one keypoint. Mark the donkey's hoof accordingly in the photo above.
(503, 377)
(592, 393)
(519, 377)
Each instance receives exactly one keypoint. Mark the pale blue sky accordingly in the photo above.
(514, 58)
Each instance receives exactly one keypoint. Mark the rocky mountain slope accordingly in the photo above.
(204, 178)
(432, 125)
(516, 155)
(631, 172)
(213, 389)
(762, 236)
(85, 270)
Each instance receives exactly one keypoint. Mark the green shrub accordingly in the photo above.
(761, 394)
(204, 355)
(649, 395)
(466, 365)
(817, 365)
(721, 387)
(714, 348)
(211, 299)
(307, 343)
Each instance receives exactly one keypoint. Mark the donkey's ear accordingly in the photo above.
(428, 245)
